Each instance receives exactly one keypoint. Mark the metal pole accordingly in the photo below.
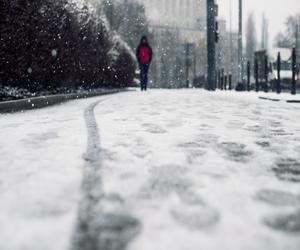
(219, 79)
(297, 44)
(211, 47)
(248, 76)
(256, 75)
(266, 73)
(297, 34)
(230, 81)
(240, 42)
(222, 79)
(278, 82)
(231, 39)
(195, 63)
(294, 65)
(187, 52)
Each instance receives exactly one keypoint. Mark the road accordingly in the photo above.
(167, 169)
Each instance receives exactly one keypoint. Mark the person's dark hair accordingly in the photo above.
(144, 38)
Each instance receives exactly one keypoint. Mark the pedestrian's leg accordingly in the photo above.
(145, 81)
(146, 76)
(141, 78)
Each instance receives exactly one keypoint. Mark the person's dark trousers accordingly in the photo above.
(144, 76)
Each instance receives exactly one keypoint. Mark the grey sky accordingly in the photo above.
(276, 11)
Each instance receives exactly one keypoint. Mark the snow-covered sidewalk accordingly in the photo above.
(40, 175)
(204, 170)
(197, 170)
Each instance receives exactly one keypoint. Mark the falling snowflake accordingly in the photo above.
(54, 52)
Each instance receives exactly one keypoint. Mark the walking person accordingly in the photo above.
(144, 57)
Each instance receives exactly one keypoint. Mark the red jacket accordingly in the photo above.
(144, 54)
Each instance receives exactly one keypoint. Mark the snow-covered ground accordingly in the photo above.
(40, 175)
(197, 170)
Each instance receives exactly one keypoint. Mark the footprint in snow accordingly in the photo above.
(287, 169)
(277, 198)
(289, 222)
(109, 155)
(12, 125)
(40, 138)
(263, 144)
(153, 128)
(194, 213)
(195, 217)
(254, 128)
(139, 148)
(164, 181)
(235, 151)
(193, 150)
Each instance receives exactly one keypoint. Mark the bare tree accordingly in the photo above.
(251, 40)
(291, 36)
(128, 18)
(265, 33)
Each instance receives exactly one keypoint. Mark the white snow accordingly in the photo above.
(40, 176)
(54, 52)
(195, 168)
(189, 166)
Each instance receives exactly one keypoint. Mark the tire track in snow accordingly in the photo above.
(101, 222)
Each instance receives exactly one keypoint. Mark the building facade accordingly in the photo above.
(188, 14)
(179, 29)
(227, 52)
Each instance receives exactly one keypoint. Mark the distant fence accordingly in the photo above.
(263, 80)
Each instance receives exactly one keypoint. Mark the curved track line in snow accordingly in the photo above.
(101, 222)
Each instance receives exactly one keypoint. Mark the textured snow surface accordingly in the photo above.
(198, 170)
(204, 170)
(40, 175)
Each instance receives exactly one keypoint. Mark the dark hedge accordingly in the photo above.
(49, 44)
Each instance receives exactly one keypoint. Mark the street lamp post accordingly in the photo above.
(187, 64)
(294, 68)
(240, 42)
(211, 46)
(278, 82)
